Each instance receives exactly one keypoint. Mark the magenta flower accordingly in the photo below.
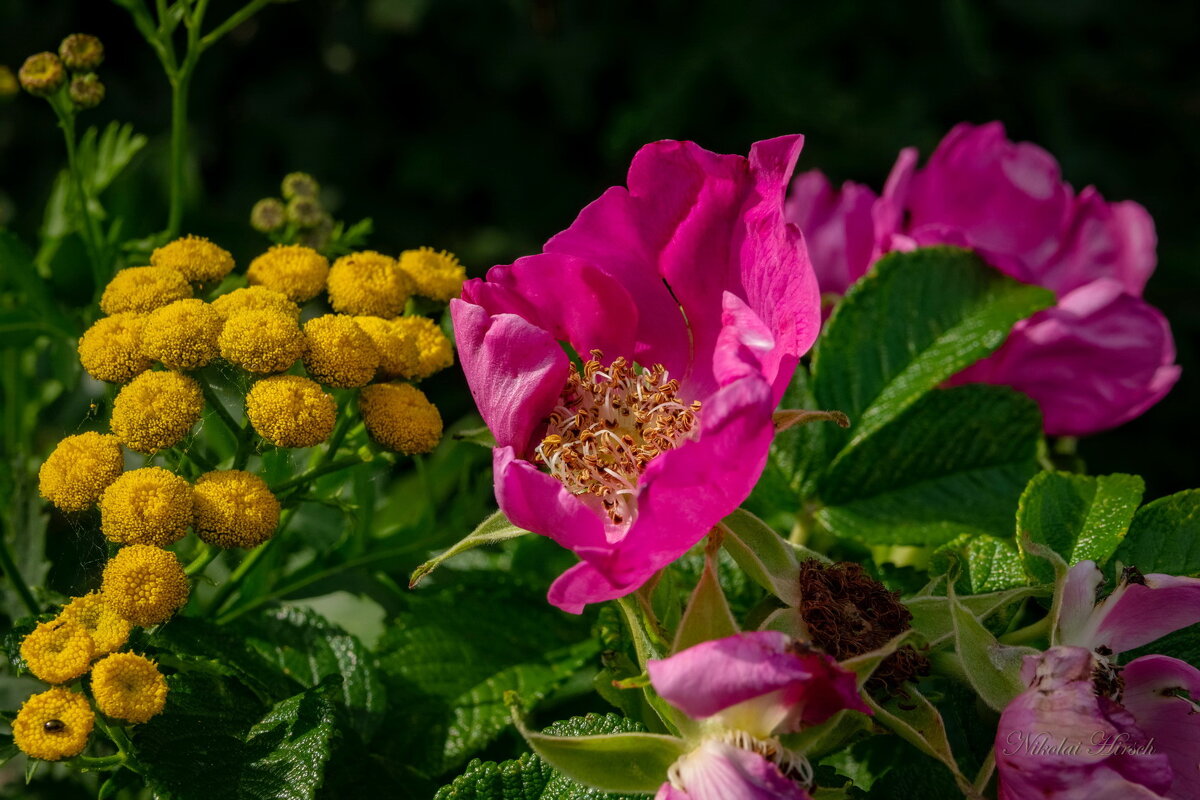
(1088, 728)
(1102, 356)
(747, 689)
(694, 299)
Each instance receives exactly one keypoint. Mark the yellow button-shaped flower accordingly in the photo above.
(111, 350)
(368, 283)
(128, 686)
(400, 417)
(255, 298)
(58, 651)
(146, 506)
(108, 629)
(262, 341)
(291, 411)
(80, 469)
(195, 257)
(297, 271)
(436, 275)
(145, 584)
(235, 508)
(339, 352)
(54, 725)
(143, 289)
(156, 410)
(434, 351)
(182, 335)
(398, 354)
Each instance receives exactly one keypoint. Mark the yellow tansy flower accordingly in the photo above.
(235, 509)
(182, 335)
(262, 341)
(156, 410)
(368, 283)
(145, 584)
(400, 417)
(54, 725)
(436, 275)
(80, 469)
(398, 354)
(143, 289)
(108, 629)
(128, 686)
(291, 411)
(434, 351)
(111, 350)
(195, 257)
(339, 352)
(255, 298)
(146, 506)
(58, 651)
(296, 271)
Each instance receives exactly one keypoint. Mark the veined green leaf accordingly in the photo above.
(1165, 536)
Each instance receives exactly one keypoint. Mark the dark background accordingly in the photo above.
(484, 126)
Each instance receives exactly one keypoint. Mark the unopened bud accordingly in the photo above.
(305, 212)
(318, 235)
(81, 52)
(86, 90)
(268, 215)
(42, 74)
(300, 184)
(8, 83)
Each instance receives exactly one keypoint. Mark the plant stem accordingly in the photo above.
(1030, 633)
(248, 563)
(83, 217)
(9, 567)
(235, 19)
(180, 86)
(211, 398)
(206, 557)
(316, 472)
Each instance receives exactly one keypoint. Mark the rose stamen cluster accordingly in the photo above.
(610, 423)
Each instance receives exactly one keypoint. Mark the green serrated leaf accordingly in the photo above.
(214, 741)
(531, 778)
(954, 463)
(915, 320)
(1080, 517)
(1165, 536)
(493, 530)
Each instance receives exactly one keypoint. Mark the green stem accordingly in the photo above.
(316, 472)
(244, 446)
(235, 19)
(214, 402)
(91, 764)
(641, 642)
(180, 86)
(345, 420)
(9, 567)
(206, 557)
(205, 464)
(248, 564)
(83, 217)
(1030, 633)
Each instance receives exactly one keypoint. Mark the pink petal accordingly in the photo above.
(1048, 740)
(515, 369)
(1150, 686)
(837, 228)
(718, 770)
(1136, 614)
(1103, 240)
(758, 682)
(1098, 359)
(888, 214)
(1007, 198)
(538, 502)
(1078, 603)
(568, 297)
(582, 585)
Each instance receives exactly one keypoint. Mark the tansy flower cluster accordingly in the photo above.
(163, 335)
(72, 71)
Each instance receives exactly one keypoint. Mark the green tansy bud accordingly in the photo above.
(86, 91)
(300, 184)
(268, 215)
(81, 52)
(42, 74)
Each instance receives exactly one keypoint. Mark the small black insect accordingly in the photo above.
(54, 725)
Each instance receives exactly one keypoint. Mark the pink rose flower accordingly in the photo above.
(1102, 356)
(692, 274)
(1088, 728)
(748, 688)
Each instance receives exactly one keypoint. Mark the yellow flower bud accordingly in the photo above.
(262, 341)
(53, 725)
(339, 353)
(146, 506)
(255, 298)
(296, 271)
(195, 258)
(108, 629)
(58, 651)
(398, 354)
(143, 289)
(434, 350)
(80, 469)
(128, 686)
(182, 335)
(368, 283)
(111, 350)
(291, 411)
(156, 410)
(436, 275)
(400, 417)
(235, 509)
(145, 584)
